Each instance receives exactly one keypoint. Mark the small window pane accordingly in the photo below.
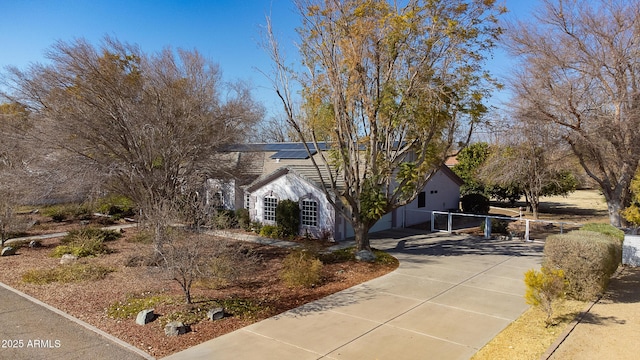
(309, 213)
(270, 204)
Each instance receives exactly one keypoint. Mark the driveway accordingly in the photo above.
(32, 330)
(450, 295)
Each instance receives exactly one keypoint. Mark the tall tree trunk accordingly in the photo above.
(362, 236)
(617, 199)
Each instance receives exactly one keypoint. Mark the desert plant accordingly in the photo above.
(587, 258)
(301, 268)
(544, 288)
(288, 217)
(475, 204)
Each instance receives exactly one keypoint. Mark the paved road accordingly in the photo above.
(449, 297)
(31, 330)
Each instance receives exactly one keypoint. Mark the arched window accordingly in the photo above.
(309, 212)
(270, 204)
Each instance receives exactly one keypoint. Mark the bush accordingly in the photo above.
(79, 235)
(605, 229)
(475, 204)
(62, 212)
(587, 258)
(66, 274)
(117, 206)
(544, 288)
(301, 268)
(85, 242)
(288, 217)
(270, 231)
(224, 219)
(243, 219)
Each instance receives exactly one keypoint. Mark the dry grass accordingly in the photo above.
(528, 338)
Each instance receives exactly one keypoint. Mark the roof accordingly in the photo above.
(308, 173)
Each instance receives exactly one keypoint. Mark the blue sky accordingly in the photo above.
(225, 31)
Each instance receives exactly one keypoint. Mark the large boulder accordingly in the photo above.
(145, 316)
(175, 328)
(365, 255)
(215, 314)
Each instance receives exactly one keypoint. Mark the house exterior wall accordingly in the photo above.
(441, 194)
(228, 190)
(292, 187)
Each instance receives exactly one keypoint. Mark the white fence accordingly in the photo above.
(487, 223)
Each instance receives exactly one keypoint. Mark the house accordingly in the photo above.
(285, 171)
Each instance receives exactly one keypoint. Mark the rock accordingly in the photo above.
(215, 314)
(175, 328)
(34, 244)
(365, 255)
(68, 259)
(8, 250)
(145, 316)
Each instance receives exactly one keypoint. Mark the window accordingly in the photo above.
(270, 204)
(218, 200)
(422, 201)
(309, 212)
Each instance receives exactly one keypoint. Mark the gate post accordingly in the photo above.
(526, 230)
(449, 223)
(487, 227)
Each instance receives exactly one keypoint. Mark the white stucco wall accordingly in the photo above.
(228, 190)
(292, 187)
(441, 194)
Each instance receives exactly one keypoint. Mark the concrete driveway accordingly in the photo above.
(449, 297)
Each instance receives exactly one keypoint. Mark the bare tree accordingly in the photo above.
(534, 160)
(149, 125)
(399, 85)
(189, 258)
(579, 71)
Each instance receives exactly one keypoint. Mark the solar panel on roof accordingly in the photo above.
(292, 154)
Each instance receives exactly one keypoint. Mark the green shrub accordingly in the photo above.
(256, 227)
(605, 229)
(62, 212)
(288, 217)
(80, 235)
(475, 204)
(85, 242)
(587, 258)
(270, 231)
(301, 269)
(117, 206)
(224, 219)
(243, 219)
(66, 274)
(544, 288)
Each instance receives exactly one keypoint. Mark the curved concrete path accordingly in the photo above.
(449, 297)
